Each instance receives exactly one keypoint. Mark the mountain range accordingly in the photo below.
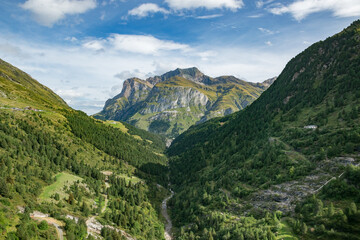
(284, 167)
(169, 104)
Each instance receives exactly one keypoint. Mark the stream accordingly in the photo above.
(164, 212)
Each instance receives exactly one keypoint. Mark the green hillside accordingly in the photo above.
(18, 89)
(60, 167)
(258, 173)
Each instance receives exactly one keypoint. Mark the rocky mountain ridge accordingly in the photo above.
(171, 103)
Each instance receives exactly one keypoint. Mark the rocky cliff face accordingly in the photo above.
(169, 104)
(134, 90)
(177, 97)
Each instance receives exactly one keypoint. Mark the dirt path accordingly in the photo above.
(105, 203)
(106, 199)
(164, 212)
(52, 221)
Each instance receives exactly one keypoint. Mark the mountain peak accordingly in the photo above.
(269, 81)
(193, 71)
(192, 74)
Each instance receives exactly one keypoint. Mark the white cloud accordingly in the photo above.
(69, 93)
(267, 31)
(209, 16)
(207, 55)
(208, 4)
(300, 9)
(48, 12)
(71, 39)
(261, 3)
(268, 43)
(102, 16)
(143, 44)
(94, 44)
(87, 77)
(129, 74)
(146, 9)
(256, 15)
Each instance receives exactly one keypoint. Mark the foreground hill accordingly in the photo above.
(63, 173)
(20, 89)
(286, 166)
(171, 103)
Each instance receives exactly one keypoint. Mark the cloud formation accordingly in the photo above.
(261, 3)
(267, 31)
(143, 44)
(208, 4)
(86, 78)
(300, 9)
(146, 9)
(209, 16)
(49, 12)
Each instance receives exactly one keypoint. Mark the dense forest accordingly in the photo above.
(61, 166)
(220, 167)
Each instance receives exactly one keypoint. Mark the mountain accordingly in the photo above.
(20, 89)
(64, 173)
(171, 103)
(287, 166)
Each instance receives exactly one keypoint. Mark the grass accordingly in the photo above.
(62, 179)
(128, 179)
(122, 128)
(117, 124)
(285, 232)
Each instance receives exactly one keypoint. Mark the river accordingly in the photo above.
(164, 212)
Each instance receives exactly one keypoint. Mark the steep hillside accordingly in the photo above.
(287, 152)
(64, 174)
(171, 103)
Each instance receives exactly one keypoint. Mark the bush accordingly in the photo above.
(43, 225)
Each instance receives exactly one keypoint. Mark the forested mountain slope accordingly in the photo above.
(232, 174)
(169, 104)
(64, 174)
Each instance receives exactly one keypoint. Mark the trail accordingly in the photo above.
(52, 221)
(164, 212)
(106, 199)
(333, 178)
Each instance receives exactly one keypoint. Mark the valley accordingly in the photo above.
(272, 160)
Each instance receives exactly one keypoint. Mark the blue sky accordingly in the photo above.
(85, 49)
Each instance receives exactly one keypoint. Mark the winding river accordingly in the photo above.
(164, 212)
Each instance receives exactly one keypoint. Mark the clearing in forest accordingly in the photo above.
(62, 179)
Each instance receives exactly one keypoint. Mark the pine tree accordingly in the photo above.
(304, 228)
(4, 190)
(331, 210)
(352, 209)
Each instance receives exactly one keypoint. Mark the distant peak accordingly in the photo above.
(269, 81)
(193, 71)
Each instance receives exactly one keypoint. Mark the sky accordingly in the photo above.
(85, 49)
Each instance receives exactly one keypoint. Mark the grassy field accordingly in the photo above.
(117, 124)
(128, 179)
(122, 128)
(62, 179)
